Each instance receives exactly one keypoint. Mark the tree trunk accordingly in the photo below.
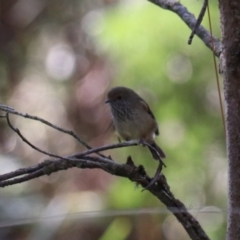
(230, 21)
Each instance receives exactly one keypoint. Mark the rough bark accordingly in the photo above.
(230, 21)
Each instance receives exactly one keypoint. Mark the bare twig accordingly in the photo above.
(75, 157)
(33, 146)
(119, 145)
(16, 130)
(199, 20)
(71, 133)
(190, 20)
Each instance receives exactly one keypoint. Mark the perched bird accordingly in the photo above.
(133, 119)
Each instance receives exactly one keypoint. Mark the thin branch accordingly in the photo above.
(111, 146)
(199, 20)
(16, 130)
(191, 22)
(71, 133)
(118, 145)
(74, 157)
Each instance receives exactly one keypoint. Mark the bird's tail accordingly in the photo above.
(156, 151)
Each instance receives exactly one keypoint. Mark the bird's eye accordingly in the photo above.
(119, 97)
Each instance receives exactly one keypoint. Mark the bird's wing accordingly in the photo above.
(148, 110)
(108, 127)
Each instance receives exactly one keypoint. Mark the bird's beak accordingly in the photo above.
(107, 101)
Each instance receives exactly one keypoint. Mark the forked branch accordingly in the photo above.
(89, 159)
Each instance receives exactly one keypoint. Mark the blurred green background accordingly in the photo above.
(58, 59)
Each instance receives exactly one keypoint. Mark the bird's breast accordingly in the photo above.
(135, 128)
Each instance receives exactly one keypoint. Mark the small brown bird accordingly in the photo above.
(133, 119)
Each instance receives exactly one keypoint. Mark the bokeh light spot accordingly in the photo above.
(60, 62)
